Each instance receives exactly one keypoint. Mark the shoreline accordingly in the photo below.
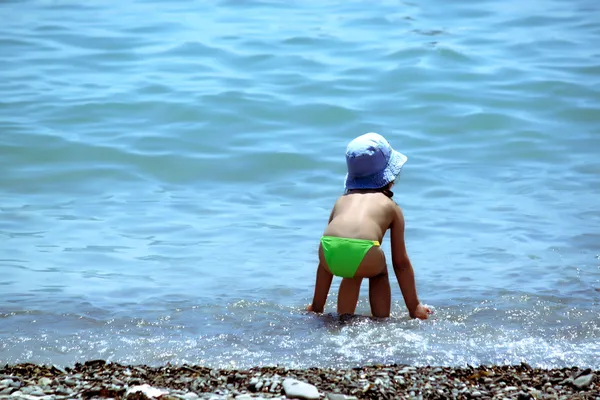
(99, 379)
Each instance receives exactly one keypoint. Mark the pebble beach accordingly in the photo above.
(97, 379)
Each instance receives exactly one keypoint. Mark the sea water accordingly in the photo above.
(167, 168)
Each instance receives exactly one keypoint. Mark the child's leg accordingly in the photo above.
(348, 295)
(380, 295)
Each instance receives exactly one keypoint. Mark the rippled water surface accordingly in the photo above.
(167, 167)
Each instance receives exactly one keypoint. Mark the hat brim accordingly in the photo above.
(380, 179)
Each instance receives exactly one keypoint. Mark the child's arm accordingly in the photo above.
(322, 286)
(403, 268)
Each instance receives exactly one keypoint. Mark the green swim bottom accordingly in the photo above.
(344, 255)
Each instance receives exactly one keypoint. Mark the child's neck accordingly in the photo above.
(386, 191)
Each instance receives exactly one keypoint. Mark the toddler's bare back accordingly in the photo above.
(361, 216)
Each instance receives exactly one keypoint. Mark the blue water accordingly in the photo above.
(167, 167)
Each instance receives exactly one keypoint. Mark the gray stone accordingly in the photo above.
(243, 397)
(28, 389)
(61, 390)
(579, 373)
(191, 396)
(29, 397)
(523, 396)
(476, 393)
(300, 390)
(337, 396)
(70, 382)
(407, 370)
(255, 384)
(44, 382)
(584, 381)
(197, 384)
(117, 382)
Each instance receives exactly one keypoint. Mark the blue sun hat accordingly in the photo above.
(371, 162)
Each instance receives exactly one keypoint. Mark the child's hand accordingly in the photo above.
(422, 312)
(309, 308)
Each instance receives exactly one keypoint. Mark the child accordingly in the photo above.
(351, 244)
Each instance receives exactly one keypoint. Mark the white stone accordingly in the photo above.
(294, 388)
(191, 396)
(147, 390)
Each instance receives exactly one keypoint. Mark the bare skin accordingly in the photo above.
(368, 214)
